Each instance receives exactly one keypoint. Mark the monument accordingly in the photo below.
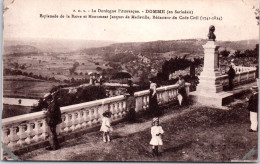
(210, 89)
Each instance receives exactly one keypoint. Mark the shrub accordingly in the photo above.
(73, 95)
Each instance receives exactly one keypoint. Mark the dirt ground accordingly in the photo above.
(192, 134)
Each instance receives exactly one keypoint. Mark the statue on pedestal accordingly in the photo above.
(211, 34)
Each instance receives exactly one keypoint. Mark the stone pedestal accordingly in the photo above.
(210, 90)
(208, 82)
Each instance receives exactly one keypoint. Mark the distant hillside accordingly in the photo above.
(20, 49)
(56, 45)
(239, 45)
(180, 46)
(108, 49)
(189, 47)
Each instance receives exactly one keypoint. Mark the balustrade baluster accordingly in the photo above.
(100, 112)
(29, 132)
(36, 131)
(139, 103)
(5, 138)
(239, 78)
(120, 108)
(22, 134)
(170, 92)
(116, 110)
(13, 137)
(67, 122)
(145, 102)
(175, 94)
(112, 110)
(124, 107)
(90, 117)
(80, 119)
(95, 116)
(165, 96)
(85, 118)
(161, 98)
(73, 120)
(44, 129)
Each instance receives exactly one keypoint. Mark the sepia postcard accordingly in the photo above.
(130, 80)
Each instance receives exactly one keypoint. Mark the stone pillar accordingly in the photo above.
(207, 79)
(210, 89)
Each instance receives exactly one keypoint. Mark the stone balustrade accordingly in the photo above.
(243, 69)
(240, 77)
(23, 130)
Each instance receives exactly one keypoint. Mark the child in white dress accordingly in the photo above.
(156, 132)
(106, 126)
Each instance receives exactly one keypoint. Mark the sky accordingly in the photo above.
(22, 20)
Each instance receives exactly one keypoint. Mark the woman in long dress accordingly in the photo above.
(153, 103)
(182, 97)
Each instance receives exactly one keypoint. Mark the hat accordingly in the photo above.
(155, 119)
(107, 114)
(46, 95)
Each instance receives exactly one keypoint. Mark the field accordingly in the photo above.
(64, 66)
(45, 66)
(14, 110)
(25, 87)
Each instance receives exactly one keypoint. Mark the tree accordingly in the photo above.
(224, 53)
(237, 54)
(25, 73)
(72, 80)
(98, 69)
(16, 65)
(23, 66)
(76, 64)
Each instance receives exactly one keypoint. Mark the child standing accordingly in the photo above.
(106, 126)
(156, 132)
